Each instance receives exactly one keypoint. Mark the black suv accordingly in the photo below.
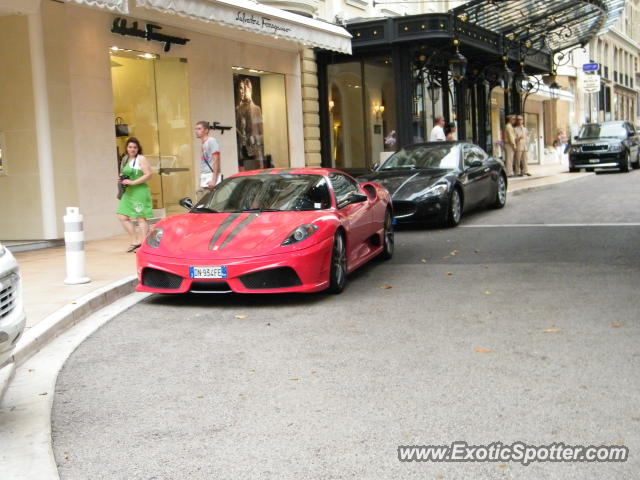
(605, 145)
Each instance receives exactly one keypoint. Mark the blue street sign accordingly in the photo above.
(590, 67)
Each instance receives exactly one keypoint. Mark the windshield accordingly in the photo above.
(425, 156)
(612, 130)
(267, 192)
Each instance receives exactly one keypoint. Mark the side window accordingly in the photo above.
(471, 154)
(343, 186)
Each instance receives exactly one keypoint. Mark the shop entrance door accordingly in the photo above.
(151, 103)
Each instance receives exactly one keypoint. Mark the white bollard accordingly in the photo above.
(74, 245)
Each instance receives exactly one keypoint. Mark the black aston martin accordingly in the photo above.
(438, 181)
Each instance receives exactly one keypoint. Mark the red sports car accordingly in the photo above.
(266, 231)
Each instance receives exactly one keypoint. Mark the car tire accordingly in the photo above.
(454, 211)
(388, 244)
(500, 199)
(625, 166)
(338, 269)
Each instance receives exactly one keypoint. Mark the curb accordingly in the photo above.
(6, 375)
(53, 325)
(535, 188)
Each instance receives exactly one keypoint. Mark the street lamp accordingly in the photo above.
(458, 64)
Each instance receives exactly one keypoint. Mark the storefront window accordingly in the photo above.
(362, 112)
(346, 115)
(261, 119)
(380, 97)
(151, 103)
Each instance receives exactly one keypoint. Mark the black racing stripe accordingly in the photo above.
(250, 218)
(223, 226)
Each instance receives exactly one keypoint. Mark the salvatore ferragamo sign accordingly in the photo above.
(149, 33)
(260, 23)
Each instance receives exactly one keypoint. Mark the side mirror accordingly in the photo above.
(186, 202)
(576, 137)
(358, 198)
(375, 166)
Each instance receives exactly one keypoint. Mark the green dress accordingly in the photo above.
(136, 201)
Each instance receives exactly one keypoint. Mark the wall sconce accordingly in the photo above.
(378, 110)
(331, 105)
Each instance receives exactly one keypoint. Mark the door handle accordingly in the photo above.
(486, 170)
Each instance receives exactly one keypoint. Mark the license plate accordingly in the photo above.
(594, 160)
(208, 272)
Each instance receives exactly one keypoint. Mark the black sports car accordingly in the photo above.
(438, 181)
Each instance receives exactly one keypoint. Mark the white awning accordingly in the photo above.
(121, 6)
(256, 18)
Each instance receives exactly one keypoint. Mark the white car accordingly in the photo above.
(12, 315)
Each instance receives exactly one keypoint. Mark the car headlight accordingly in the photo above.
(574, 149)
(437, 190)
(154, 238)
(618, 147)
(299, 234)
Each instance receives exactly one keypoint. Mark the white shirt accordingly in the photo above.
(209, 148)
(437, 134)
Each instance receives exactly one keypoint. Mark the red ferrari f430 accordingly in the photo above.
(268, 231)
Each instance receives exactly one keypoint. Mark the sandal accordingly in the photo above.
(133, 248)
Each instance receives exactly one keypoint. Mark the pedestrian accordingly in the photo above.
(209, 158)
(135, 202)
(560, 144)
(450, 132)
(522, 146)
(509, 144)
(437, 133)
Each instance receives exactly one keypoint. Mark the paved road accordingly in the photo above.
(327, 387)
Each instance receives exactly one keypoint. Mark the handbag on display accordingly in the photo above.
(122, 129)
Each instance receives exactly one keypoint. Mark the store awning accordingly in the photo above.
(121, 6)
(550, 26)
(257, 18)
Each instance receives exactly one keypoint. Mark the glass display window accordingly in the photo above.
(151, 103)
(261, 119)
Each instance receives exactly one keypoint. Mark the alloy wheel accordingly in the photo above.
(455, 208)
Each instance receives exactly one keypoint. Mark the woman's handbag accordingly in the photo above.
(122, 129)
(121, 187)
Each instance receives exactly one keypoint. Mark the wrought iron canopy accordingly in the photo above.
(549, 25)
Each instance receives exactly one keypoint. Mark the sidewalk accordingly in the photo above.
(52, 306)
(43, 274)
(543, 176)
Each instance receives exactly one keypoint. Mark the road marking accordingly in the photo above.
(526, 225)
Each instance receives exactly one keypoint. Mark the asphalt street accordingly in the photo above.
(520, 325)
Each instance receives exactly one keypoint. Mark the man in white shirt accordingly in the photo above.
(437, 133)
(209, 157)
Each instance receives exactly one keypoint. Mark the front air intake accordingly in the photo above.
(283, 277)
(162, 280)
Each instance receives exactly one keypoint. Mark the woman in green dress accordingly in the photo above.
(136, 200)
